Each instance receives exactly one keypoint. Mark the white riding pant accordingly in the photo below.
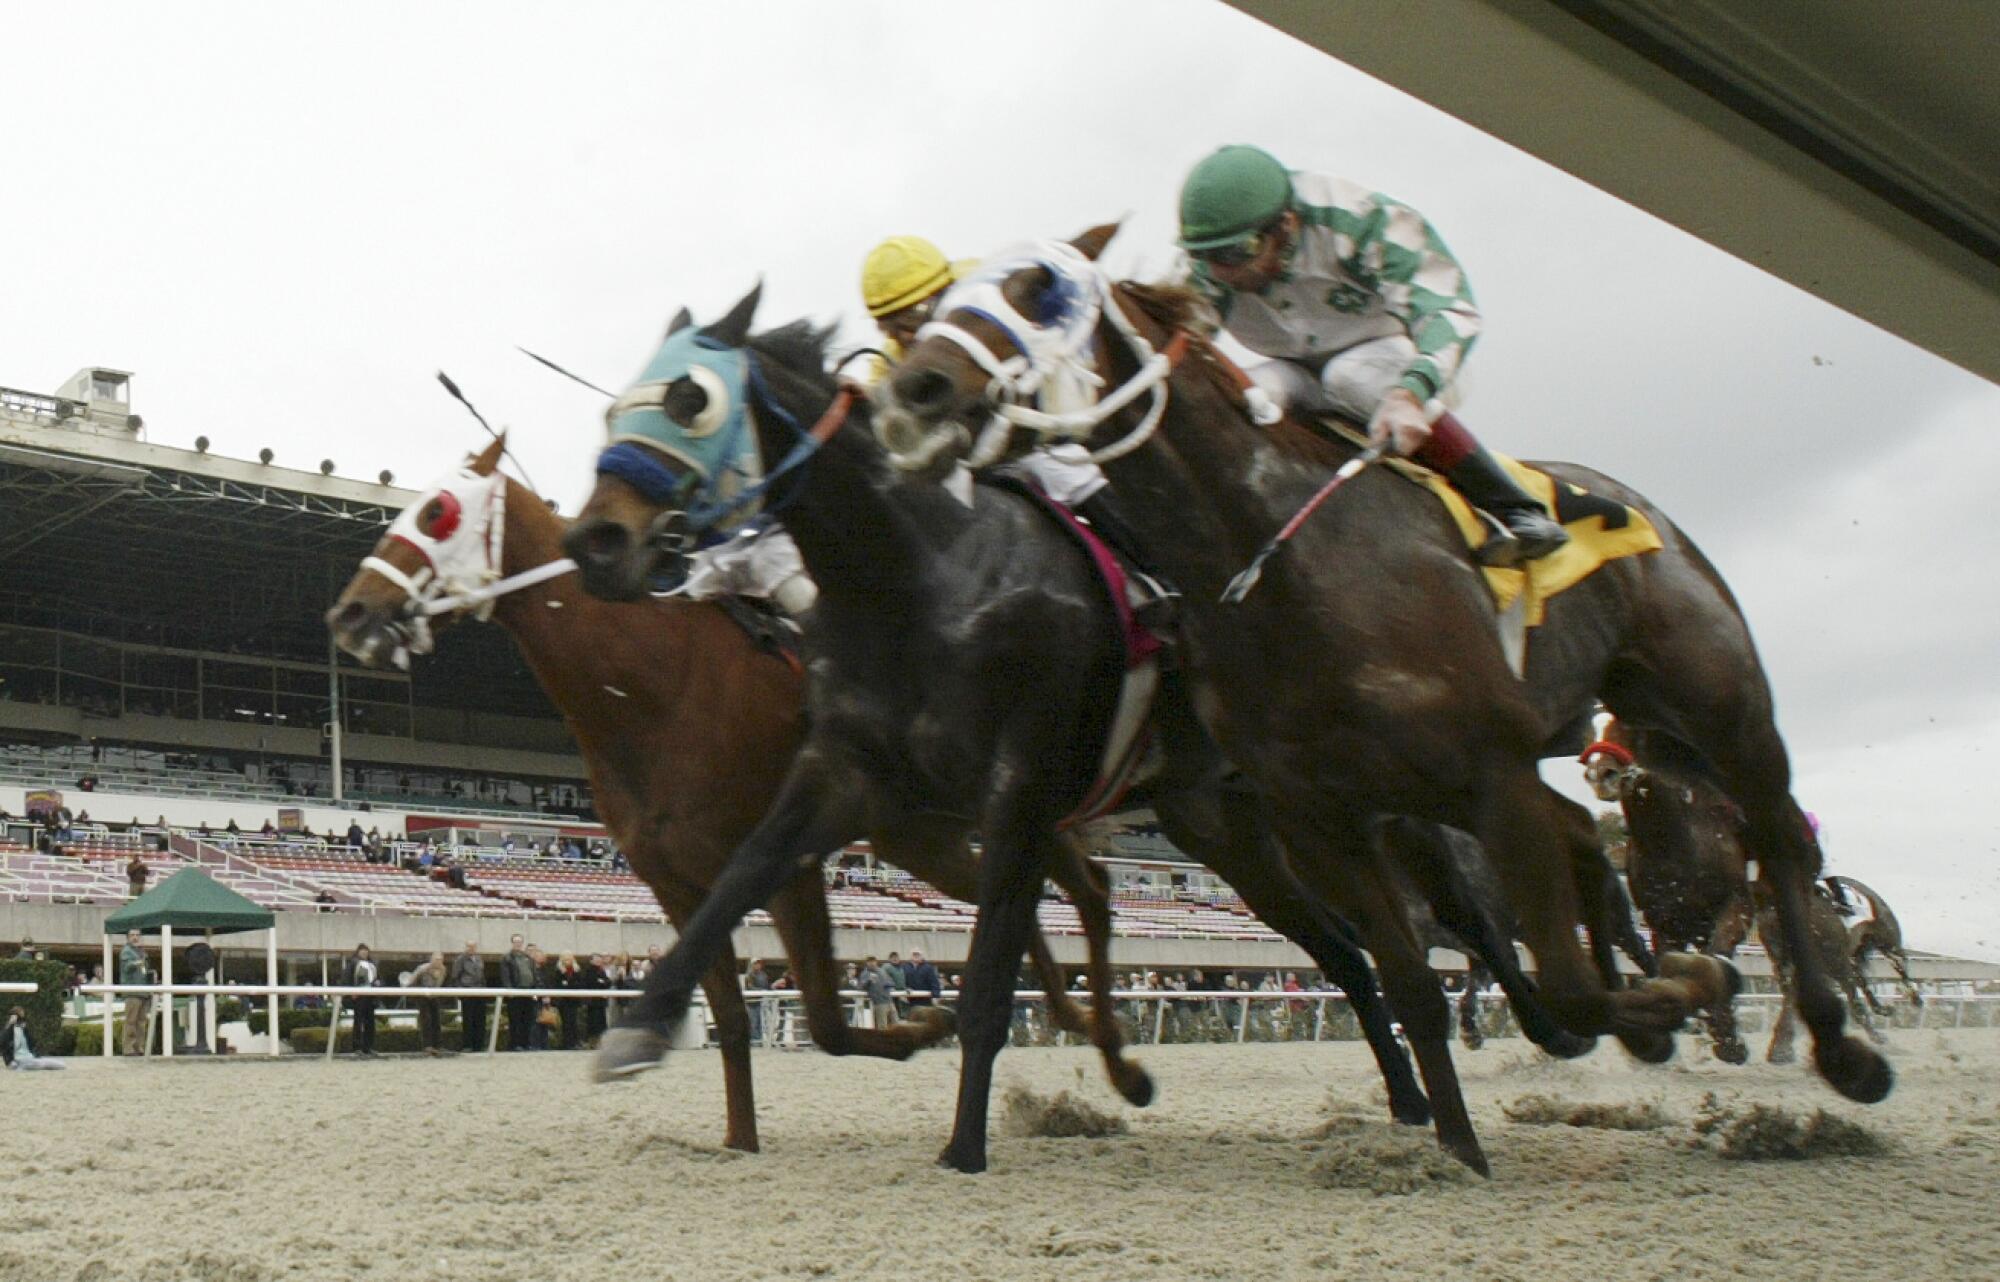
(1350, 383)
(759, 563)
(1064, 472)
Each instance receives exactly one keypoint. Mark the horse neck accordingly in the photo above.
(858, 539)
(551, 621)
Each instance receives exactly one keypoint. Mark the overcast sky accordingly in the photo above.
(284, 220)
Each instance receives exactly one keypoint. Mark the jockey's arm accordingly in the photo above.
(1400, 256)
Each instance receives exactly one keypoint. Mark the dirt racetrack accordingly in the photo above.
(1257, 1162)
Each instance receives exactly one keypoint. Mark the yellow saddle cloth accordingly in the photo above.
(1600, 530)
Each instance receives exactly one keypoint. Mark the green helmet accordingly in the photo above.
(1231, 194)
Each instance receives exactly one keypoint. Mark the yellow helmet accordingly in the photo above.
(903, 270)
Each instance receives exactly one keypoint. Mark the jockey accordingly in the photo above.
(1361, 310)
(902, 280)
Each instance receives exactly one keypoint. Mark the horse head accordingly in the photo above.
(1015, 345)
(691, 452)
(440, 548)
(1609, 768)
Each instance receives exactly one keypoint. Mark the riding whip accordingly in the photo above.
(1246, 579)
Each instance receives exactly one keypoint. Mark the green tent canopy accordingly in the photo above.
(190, 899)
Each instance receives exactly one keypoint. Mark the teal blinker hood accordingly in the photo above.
(718, 444)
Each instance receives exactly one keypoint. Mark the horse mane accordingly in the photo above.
(1178, 307)
(800, 347)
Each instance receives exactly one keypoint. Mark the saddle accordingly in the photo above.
(1600, 529)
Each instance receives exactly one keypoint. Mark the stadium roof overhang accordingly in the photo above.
(114, 537)
(1849, 147)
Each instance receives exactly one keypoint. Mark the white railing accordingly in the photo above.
(787, 1028)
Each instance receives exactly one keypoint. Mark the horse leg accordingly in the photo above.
(1901, 962)
(799, 912)
(1780, 1050)
(1422, 850)
(805, 822)
(1408, 983)
(1011, 872)
(1709, 691)
(1522, 833)
(732, 1026)
(1227, 827)
(1732, 924)
(1080, 876)
(1476, 978)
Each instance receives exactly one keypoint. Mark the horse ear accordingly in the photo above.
(487, 459)
(682, 319)
(733, 330)
(1092, 242)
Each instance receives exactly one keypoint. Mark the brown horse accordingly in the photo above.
(1685, 861)
(1878, 932)
(1837, 945)
(1365, 676)
(686, 728)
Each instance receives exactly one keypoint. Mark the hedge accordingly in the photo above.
(388, 1040)
(289, 1020)
(44, 1006)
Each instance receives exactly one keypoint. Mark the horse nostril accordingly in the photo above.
(922, 389)
(597, 542)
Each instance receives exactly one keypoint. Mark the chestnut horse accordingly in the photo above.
(1365, 676)
(964, 658)
(686, 727)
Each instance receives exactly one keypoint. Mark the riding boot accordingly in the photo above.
(1523, 529)
(1157, 613)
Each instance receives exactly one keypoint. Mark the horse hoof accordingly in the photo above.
(1732, 1052)
(1714, 981)
(1467, 1150)
(1567, 1045)
(1648, 1048)
(625, 1051)
(938, 1022)
(1473, 1041)
(1414, 1111)
(1855, 1069)
(1134, 1083)
(1785, 1056)
(963, 1163)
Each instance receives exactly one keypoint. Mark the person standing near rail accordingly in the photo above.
(430, 1023)
(361, 973)
(468, 970)
(518, 970)
(132, 969)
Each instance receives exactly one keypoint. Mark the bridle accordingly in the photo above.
(1047, 384)
(458, 529)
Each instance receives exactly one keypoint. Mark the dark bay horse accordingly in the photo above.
(1365, 675)
(686, 728)
(964, 660)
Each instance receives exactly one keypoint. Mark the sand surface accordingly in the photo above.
(516, 1169)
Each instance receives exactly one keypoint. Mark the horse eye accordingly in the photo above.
(439, 518)
(685, 400)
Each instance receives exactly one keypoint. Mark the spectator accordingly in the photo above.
(232, 829)
(921, 978)
(18, 1048)
(325, 900)
(892, 970)
(518, 971)
(568, 1009)
(356, 840)
(881, 993)
(360, 972)
(618, 974)
(468, 970)
(132, 969)
(596, 978)
(430, 1026)
(269, 829)
(136, 873)
(547, 1019)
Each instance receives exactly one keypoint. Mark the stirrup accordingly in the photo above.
(1162, 607)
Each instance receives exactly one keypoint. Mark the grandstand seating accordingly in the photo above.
(293, 874)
